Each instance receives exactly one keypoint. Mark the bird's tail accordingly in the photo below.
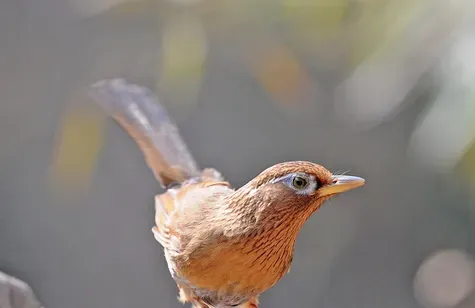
(138, 111)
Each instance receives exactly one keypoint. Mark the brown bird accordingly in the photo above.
(224, 247)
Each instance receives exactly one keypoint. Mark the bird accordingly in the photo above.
(224, 246)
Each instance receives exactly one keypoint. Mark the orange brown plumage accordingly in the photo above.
(224, 247)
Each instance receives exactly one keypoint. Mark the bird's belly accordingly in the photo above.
(235, 270)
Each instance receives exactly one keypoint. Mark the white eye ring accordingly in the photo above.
(289, 181)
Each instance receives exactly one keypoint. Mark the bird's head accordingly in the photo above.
(292, 191)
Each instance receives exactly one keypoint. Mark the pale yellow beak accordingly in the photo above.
(341, 183)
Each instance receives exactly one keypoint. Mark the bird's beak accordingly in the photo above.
(341, 183)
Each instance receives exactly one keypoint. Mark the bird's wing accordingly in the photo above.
(180, 210)
(137, 110)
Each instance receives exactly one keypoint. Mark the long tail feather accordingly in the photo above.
(138, 111)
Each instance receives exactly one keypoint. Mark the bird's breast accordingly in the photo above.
(247, 267)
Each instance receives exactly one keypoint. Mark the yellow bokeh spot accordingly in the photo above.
(466, 165)
(382, 25)
(317, 16)
(78, 143)
(184, 49)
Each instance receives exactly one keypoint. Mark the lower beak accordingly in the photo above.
(341, 183)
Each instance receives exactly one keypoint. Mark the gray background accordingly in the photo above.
(97, 250)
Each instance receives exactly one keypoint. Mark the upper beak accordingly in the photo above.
(341, 183)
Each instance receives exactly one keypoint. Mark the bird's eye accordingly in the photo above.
(299, 182)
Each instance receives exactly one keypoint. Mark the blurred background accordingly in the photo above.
(384, 89)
